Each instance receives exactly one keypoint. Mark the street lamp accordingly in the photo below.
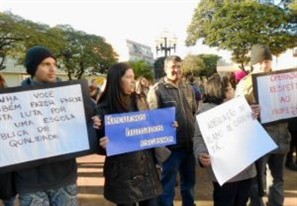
(166, 43)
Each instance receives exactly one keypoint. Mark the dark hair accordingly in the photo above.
(173, 58)
(190, 78)
(216, 88)
(112, 92)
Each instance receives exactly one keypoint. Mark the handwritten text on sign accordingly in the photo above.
(135, 131)
(277, 94)
(233, 138)
(41, 123)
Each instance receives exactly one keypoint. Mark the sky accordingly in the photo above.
(142, 21)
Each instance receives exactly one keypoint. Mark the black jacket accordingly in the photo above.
(130, 177)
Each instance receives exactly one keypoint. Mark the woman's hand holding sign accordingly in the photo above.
(175, 124)
(104, 142)
(204, 159)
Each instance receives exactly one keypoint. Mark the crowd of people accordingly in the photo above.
(149, 177)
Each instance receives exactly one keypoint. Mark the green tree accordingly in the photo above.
(84, 54)
(11, 36)
(41, 34)
(200, 65)
(236, 26)
(293, 6)
(79, 53)
(293, 12)
(210, 64)
(142, 68)
(193, 64)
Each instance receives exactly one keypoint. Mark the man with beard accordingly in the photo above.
(261, 61)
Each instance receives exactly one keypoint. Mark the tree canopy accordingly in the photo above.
(78, 53)
(200, 65)
(293, 5)
(142, 68)
(11, 34)
(237, 25)
(193, 64)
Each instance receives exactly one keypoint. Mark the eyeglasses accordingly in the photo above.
(175, 66)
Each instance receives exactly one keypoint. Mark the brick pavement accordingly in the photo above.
(90, 182)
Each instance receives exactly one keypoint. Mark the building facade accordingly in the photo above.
(139, 51)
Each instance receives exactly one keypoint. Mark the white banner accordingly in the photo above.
(277, 95)
(42, 123)
(233, 138)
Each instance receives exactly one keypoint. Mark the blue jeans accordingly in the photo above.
(276, 164)
(64, 196)
(9, 202)
(181, 161)
(232, 193)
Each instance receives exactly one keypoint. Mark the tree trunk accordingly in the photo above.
(2, 62)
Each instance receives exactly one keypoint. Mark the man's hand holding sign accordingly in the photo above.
(43, 123)
(276, 92)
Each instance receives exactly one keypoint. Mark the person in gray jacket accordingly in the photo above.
(171, 91)
(235, 192)
(261, 61)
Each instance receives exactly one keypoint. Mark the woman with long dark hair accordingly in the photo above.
(130, 178)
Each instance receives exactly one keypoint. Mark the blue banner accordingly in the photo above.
(128, 132)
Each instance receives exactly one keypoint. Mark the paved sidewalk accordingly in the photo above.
(91, 181)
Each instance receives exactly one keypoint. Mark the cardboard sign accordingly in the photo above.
(135, 131)
(45, 123)
(276, 93)
(233, 138)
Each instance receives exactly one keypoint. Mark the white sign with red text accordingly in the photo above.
(277, 95)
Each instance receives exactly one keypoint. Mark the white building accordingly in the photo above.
(139, 51)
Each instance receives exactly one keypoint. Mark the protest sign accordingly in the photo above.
(135, 131)
(276, 93)
(44, 123)
(233, 138)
